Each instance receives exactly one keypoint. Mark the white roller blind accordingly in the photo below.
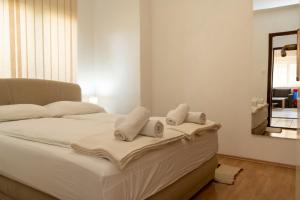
(38, 39)
(285, 69)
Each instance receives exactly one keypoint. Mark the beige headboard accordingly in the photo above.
(40, 92)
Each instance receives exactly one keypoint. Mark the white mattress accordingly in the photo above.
(259, 116)
(67, 175)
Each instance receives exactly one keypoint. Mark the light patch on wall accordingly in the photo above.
(114, 47)
(267, 4)
(105, 90)
(105, 87)
(113, 67)
(119, 50)
(87, 87)
(93, 100)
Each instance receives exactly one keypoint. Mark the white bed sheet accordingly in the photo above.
(68, 175)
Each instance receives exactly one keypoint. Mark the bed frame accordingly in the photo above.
(41, 92)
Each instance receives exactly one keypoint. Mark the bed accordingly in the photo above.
(259, 119)
(39, 171)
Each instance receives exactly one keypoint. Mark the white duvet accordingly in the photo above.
(52, 169)
(71, 176)
(96, 138)
(54, 131)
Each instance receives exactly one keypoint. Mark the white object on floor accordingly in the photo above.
(177, 116)
(226, 174)
(127, 128)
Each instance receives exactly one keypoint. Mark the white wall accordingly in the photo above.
(85, 72)
(265, 22)
(109, 52)
(202, 55)
(117, 51)
(266, 4)
(146, 53)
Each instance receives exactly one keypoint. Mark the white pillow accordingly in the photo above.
(22, 111)
(62, 108)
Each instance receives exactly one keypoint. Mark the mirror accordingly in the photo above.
(276, 72)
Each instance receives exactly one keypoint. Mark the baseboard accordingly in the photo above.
(258, 161)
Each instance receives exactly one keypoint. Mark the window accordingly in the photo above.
(38, 39)
(285, 70)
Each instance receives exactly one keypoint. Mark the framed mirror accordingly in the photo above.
(276, 83)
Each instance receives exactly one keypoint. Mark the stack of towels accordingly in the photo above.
(137, 122)
(181, 114)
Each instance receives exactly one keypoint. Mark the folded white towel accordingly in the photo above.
(177, 116)
(153, 128)
(128, 128)
(196, 117)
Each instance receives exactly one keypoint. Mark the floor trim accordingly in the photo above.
(258, 161)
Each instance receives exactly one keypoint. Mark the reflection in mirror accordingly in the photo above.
(276, 83)
(297, 188)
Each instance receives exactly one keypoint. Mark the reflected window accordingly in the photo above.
(285, 69)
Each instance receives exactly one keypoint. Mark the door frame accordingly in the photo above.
(270, 69)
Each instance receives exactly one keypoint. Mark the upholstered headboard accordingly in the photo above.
(40, 92)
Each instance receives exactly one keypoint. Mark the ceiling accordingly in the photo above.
(266, 4)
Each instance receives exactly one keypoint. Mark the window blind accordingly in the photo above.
(38, 39)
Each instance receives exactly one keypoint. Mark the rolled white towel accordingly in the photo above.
(177, 116)
(196, 117)
(153, 128)
(128, 128)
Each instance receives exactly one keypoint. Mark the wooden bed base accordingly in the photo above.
(182, 189)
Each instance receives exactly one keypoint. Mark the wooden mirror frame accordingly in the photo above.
(270, 69)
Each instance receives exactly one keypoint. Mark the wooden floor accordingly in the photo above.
(256, 182)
